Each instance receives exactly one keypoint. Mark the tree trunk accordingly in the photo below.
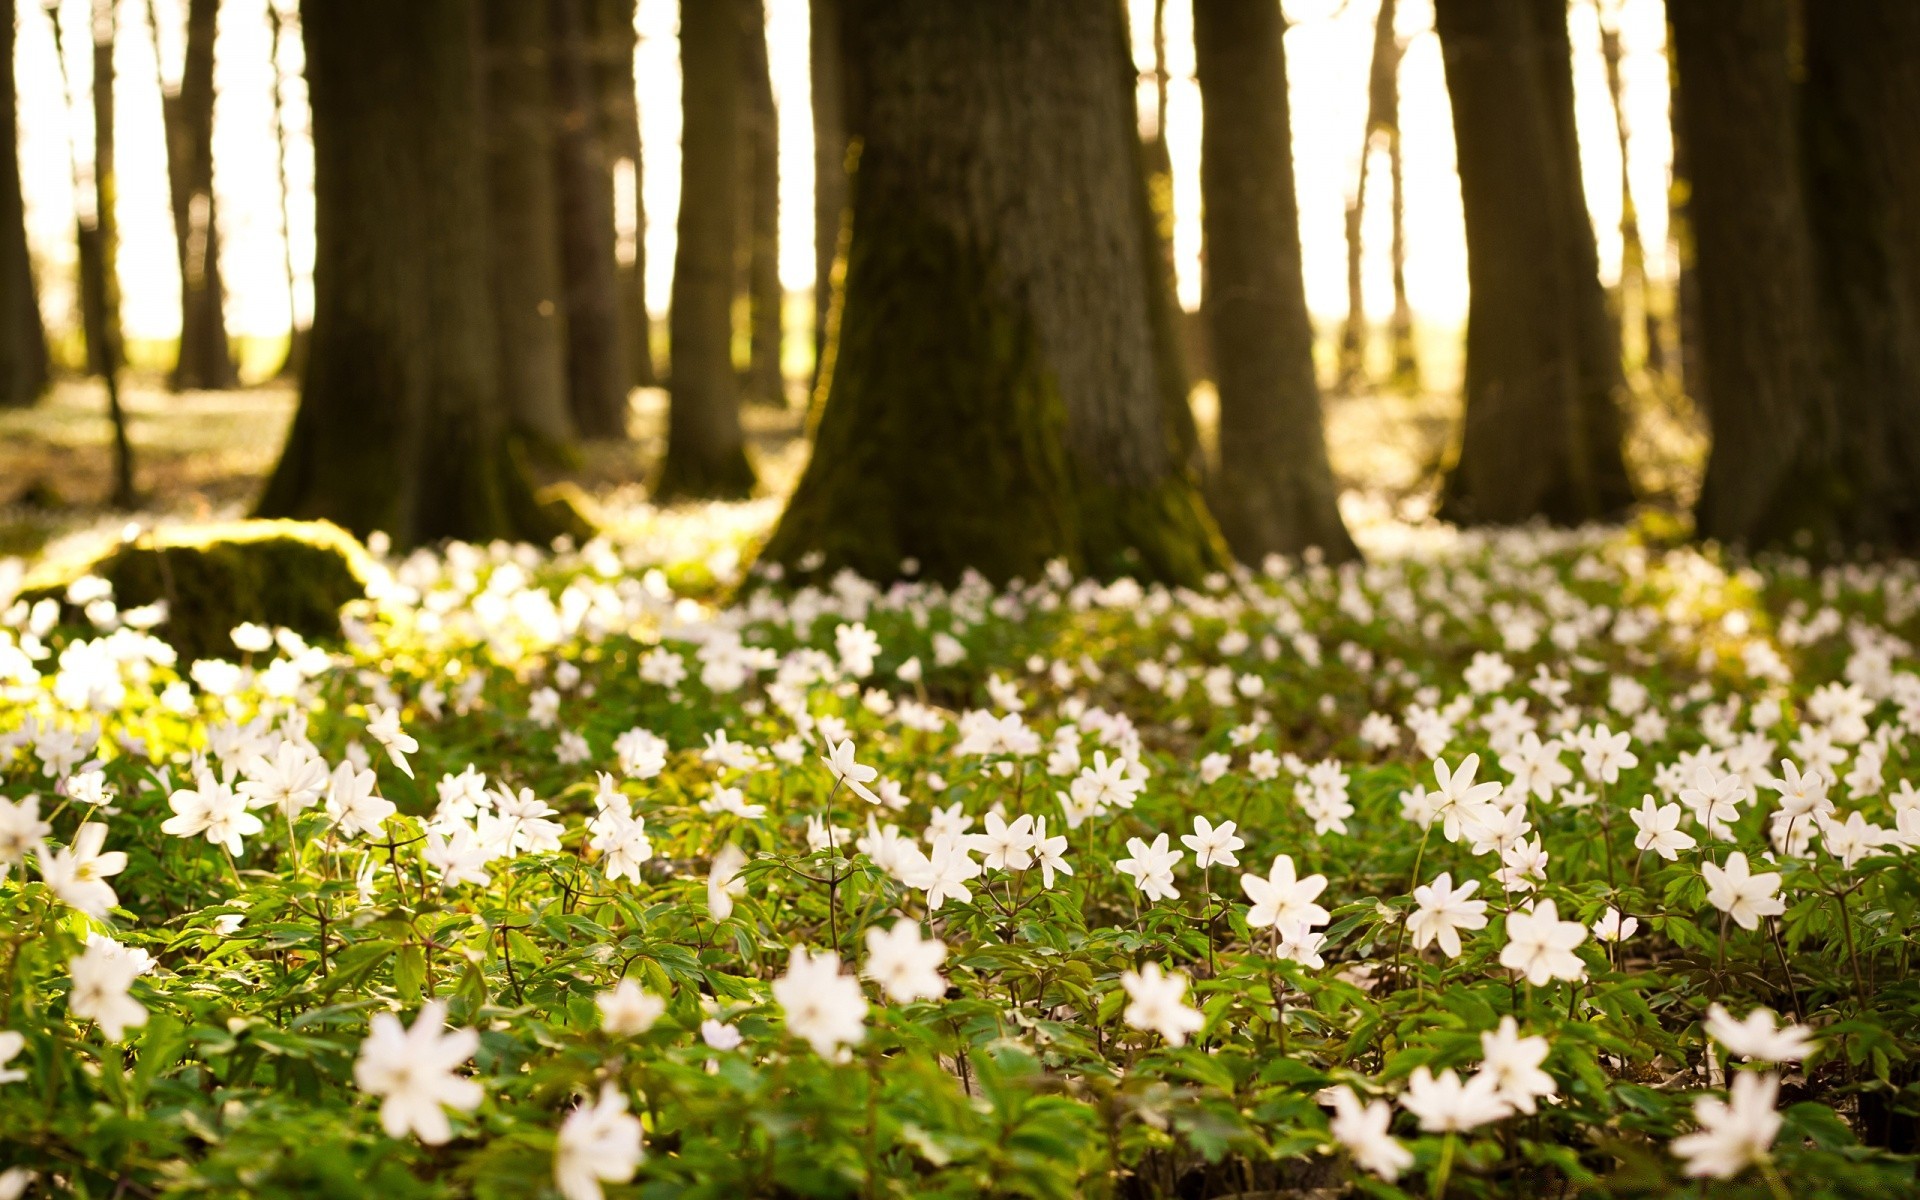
(1768, 477)
(1862, 150)
(1382, 117)
(597, 373)
(614, 41)
(1636, 311)
(23, 339)
(99, 267)
(295, 361)
(1542, 436)
(760, 244)
(830, 144)
(525, 247)
(998, 395)
(1275, 492)
(706, 450)
(400, 426)
(205, 360)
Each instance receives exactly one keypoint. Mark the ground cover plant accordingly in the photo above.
(1521, 863)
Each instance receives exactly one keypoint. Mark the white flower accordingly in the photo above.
(1151, 867)
(1049, 852)
(1756, 1037)
(1281, 897)
(1513, 1063)
(211, 808)
(1735, 1135)
(11, 1044)
(78, 873)
(839, 760)
(14, 1182)
(1004, 846)
(1362, 1129)
(904, 964)
(1442, 911)
(642, 754)
(102, 975)
(383, 725)
(1746, 897)
(943, 874)
(1610, 926)
(1446, 1105)
(629, 1010)
(291, 780)
(718, 1035)
(351, 803)
(1540, 945)
(411, 1070)
(1212, 843)
(458, 856)
(1604, 754)
(723, 881)
(1156, 1003)
(20, 830)
(1659, 829)
(821, 1005)
(599, 1142)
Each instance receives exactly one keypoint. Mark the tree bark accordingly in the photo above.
(400, 426)
(528, 300)
(205, 359)
(998, 395)
(1861, 105)
(1275, 492)
(99, 266)
(830, 145)
(1770, 476)
(295, 361)
(1542, 432)
(706, 449)
(23, 338)
(597, 372)
(614, 42)
(760, 243)
(1383, 102)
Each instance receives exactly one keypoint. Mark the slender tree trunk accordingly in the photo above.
(706, 449)
(614, 42)
(1275, 492)
(1862, 148)
(296, 358)
(998, 396)
(1382, 119)
(597, 373)
(99, 253)
(760, 244)
(528, 301)
(23, 339)
(205, 360)
(1405, 375)
(400, 426)
(1688, 372)
(1637, 312)
(1770, 476)
(830, 144)
(1542, 436)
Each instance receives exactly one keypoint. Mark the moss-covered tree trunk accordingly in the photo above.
(1861, 105)
(401, 426)
(23, 338)
(1768, 478)
(1543, 430)
(528, 300)
(706, 448)
(829, 161)
(997, 394)
(205, 359)
(614, 40)
(1274, 493)
(759, 247)
(597, 375)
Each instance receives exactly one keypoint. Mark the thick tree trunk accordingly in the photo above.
(706, 450)
(400, 426)
(205, 359)
(528, 302)
(597, 373)
(23, 338)
(1769, 477)
(998, 394)
(830, 145)
(614, 42)
(1275, 492)
(1542, 436)
(1862, 149)
(759, 248)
